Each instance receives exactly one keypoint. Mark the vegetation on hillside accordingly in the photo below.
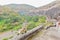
(11, 20)
(14, 21)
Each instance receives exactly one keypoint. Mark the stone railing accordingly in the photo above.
(30, 33)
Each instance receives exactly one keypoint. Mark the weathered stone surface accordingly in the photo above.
(50, 34)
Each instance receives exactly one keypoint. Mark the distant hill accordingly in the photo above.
(21, 8)
(24, 9)
(52, 9)
(14, 6)
(49, 5)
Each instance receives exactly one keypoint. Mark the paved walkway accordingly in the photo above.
(50, 34)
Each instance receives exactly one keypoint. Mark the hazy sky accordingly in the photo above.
(35, 3)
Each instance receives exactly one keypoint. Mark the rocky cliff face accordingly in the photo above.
(52, 9)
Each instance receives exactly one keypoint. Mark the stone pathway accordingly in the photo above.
(50, 34)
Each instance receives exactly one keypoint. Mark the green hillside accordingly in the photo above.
(11, 20)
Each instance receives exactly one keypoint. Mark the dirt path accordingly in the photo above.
(6, 34)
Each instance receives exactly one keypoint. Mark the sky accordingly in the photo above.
(36, 3)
